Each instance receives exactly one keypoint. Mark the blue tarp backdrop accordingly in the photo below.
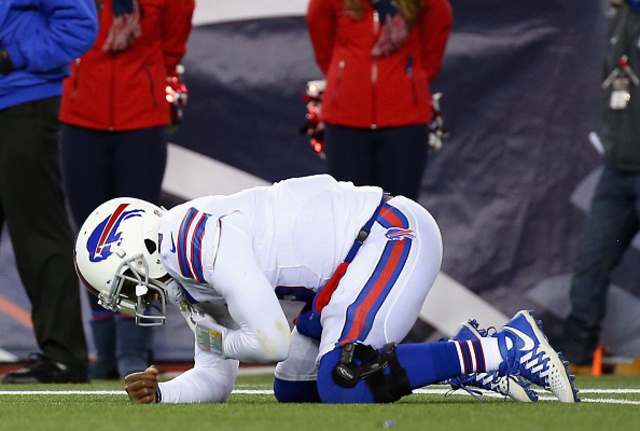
(521, 93)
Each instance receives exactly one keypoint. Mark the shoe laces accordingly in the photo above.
(457, 383)
(488, 381)
(533, 365)
(488, 332)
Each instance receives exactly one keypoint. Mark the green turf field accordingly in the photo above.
(609, 403)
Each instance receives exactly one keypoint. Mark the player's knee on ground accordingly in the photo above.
(357, 373)
(296, 392)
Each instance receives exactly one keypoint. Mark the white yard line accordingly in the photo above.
(417, 391)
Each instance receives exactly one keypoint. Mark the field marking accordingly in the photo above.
(270, 391)
(540, 391)
(552, 398)
(417, 391)
(596, 400)
(63, 393)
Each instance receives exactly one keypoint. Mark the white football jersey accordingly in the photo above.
(298, 230)
(236, 250)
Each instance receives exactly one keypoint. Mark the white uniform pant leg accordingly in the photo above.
(301, 364)
(380, 297)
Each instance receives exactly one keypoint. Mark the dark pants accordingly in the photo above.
(101, 165)
(98, 166)
(393, 158)
(608, 230)
(32, 204)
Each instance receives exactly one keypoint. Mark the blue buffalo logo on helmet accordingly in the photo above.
(107, 233)
(399, 233)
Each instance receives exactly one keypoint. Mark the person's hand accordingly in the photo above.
(142, 387)
(125, 29)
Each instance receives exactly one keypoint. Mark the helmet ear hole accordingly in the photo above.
(150, 245)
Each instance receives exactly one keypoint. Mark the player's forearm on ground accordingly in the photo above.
(210, 381)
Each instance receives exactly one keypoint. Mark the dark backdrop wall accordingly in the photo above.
(521, 86)
(521, 90)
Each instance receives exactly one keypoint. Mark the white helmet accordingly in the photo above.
(117, 258)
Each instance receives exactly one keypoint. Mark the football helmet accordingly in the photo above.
(117, 258)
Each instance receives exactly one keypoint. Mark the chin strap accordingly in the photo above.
(177, 296)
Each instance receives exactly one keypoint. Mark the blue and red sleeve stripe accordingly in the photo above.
(192, 231)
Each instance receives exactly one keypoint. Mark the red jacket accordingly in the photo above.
(367, 92)
(126, 91)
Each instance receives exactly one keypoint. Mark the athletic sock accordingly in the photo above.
(478, 355)
(429, 363)
(492, 356)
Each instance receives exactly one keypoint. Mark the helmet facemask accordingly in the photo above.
(135, 294)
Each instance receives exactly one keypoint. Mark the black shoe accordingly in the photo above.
(41, 369)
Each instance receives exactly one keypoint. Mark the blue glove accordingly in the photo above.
(308, 322)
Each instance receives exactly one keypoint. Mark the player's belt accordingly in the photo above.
(323, 296)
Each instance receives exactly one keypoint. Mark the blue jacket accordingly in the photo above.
(42, 37)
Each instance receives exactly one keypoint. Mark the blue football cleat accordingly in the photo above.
(512, 386)
(528, 354)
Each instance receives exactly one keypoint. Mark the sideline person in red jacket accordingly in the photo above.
(114, 116)
(379, 58)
